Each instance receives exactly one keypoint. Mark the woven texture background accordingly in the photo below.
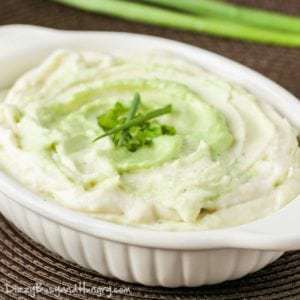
(26, 265)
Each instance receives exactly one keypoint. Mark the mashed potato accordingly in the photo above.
(231, 161)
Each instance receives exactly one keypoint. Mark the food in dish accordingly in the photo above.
(214, 156)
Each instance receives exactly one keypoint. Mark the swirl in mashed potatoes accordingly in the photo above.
(232, 160)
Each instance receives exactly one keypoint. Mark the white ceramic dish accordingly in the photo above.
(137, 255)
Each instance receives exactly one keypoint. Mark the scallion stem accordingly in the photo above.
(158, 16)
(235, 13)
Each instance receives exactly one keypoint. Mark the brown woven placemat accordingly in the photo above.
(30, 267)
(27, 268)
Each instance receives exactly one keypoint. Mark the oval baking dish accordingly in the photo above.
(171, 259)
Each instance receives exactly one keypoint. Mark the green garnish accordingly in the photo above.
(138, 121)
(133, 109)
(133, 130)
(113, 117)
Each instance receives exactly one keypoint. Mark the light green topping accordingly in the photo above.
(133, 132)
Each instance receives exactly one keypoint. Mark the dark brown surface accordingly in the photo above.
(280, 64)
(23, 263)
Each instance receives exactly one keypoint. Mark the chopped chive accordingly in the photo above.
(131, 114)
(138, 121)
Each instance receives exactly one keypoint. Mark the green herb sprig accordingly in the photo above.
(133, 130)
(132, 112)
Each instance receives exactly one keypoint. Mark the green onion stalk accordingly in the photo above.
(143, 13)
(235, 13)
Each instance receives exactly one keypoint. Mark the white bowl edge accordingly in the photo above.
(278, 232)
